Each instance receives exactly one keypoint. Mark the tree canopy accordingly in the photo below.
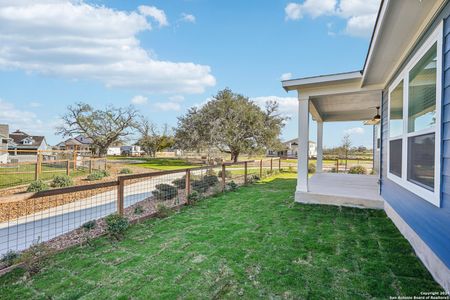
(231, 123)
(103, 127)
(151, 139)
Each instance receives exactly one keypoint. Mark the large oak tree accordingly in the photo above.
(231, 123)
(103, 127)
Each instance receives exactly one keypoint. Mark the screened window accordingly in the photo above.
(421, 160)
(395, 154)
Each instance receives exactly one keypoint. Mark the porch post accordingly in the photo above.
(319, 166)
(303, 143)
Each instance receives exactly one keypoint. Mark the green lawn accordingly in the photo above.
(253, 243)
(157, 163)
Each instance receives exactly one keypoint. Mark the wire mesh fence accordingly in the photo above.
(62, 216)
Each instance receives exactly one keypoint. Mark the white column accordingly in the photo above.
(319, 166)
(303, 144)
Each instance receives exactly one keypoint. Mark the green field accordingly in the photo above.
(156, 163)
(250, 244)
(10, 178)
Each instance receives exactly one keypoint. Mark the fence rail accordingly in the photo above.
(58, 214)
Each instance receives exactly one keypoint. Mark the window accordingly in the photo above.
(414, 112)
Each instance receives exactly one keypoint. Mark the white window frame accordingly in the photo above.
(434, 196)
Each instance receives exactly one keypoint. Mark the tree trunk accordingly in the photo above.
(234, 156)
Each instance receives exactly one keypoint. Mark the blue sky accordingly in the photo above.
(166, 56)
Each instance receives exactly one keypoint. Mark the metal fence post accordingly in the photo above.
(223, 177)
(188, 185)
(260, 168)
(245, 172)
(120, 195)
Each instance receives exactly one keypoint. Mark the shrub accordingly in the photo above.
(33, 259)
(199, 185)
(163, 211)
(105, 173)
(227, 174)
(61, 181)
(125, 171)
(232, 186)
(194, 197)
(165, 191)
(210, 180)
(9, 258)
(180, 183)
(97, 175)
(138, 210)
(116, 225)
(89, 225)
(311, 168)
(211, 172)
(253, 178)
(37, 186)
(357, 170)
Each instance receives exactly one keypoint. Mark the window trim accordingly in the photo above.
(434, 196)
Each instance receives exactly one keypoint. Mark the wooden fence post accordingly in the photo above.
(188, 185)
(223, 177)
(260, 168)
(68, 167)
(279, 164)
(38, 169)
(245, 172)
(120, 196)
(271, 164)
(90, 165)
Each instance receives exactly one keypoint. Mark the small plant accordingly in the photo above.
(138, 210)
(232, 186)
(194, 197)
(9, 258)
(311, 168)
(61, 181)
(89, 225)
(33, 259)
(163, 211)
(227, 174)
(165, 191)
(125, 171)
(210, 180)
(357, 170)
(97, 175)
(116, 225)
(290, 169)
(37, 186)
(199, 185)
(180, 183)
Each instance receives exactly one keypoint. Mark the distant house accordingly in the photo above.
(114, 151)
(131, 150)
(21, 141)
(4, 139)
(291, 149)
(78, 143)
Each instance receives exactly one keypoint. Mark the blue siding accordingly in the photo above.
(431, 223)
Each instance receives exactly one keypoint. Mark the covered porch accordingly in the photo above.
(335, 98)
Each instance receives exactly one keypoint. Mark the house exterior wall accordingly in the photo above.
(429, 222)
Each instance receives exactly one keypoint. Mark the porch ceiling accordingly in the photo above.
(354, 106)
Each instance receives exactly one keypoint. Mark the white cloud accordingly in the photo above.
(167, 106)
(360, 15)
(187, 18)
(34, 104)
(354, 130)
(25, 120)
(176, 98)
(157, 14)
(361, 26)
(286, 76)
(76, 40)
(139, 100)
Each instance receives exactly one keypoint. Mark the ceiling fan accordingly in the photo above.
(375, 120)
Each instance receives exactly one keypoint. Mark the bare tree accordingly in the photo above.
(346, 146)
(103, 127)
(151, 140)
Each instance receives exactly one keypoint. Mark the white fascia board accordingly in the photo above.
(294, 84)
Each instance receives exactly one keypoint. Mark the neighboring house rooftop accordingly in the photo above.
(19, 138)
